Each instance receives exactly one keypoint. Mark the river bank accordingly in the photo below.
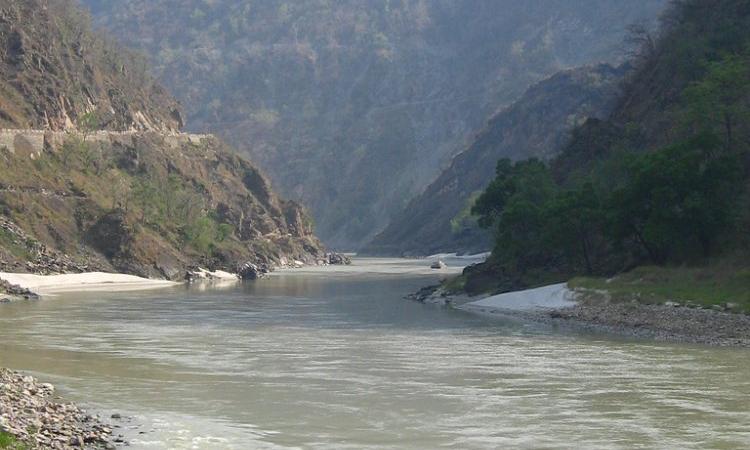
(310, 360)
(31, 418)
(596, 311)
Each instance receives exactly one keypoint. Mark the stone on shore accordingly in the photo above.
(28, 413)
(438, 265)
(338, 259)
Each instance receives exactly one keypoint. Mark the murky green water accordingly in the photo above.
(314, 361)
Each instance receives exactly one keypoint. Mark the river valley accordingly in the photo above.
(338, 359)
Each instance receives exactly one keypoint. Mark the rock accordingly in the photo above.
(116, 416)
(338, 259)
(249, 272)
(28, 412)
(439, 264)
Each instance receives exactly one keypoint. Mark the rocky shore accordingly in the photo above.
(664, 322)
(10, 292)
(671, 322)
(30, 414)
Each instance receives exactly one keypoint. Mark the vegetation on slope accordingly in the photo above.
(353, 107)
(721, 285)
(663, 181)
(145, 203)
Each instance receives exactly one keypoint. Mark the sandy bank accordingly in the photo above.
(540, 299)
(376, 266)
(92, 281)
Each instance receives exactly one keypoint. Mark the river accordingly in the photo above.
(339, 360)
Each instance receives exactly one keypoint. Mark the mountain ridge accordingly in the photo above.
(536, 125)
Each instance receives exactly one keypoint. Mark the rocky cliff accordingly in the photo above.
(95, 176)
(537, 125)
(354, 107)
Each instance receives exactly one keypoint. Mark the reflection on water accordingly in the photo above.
(308, 361)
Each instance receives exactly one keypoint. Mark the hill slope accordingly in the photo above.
(537, 125)
(54, 70)
(136, 196)
(662, 181)
(353, 107)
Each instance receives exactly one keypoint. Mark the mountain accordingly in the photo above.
(353, 107)
(95, 175)
(536, 125)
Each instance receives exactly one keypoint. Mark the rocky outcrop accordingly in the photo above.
(250, 271)
(338, 259)
(537, 125)
(10, 292)
(150, 204)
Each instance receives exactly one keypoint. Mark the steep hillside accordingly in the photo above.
(79, 195)
(54, 71)
(353, 107)
(537, 125)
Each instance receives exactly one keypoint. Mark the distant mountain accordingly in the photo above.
(537, 125)
(95, 175)
(353, 107)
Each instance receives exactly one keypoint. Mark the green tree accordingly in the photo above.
(89, 123)
(574, 225)
(515, 206)
(678, 198)
(719, 100)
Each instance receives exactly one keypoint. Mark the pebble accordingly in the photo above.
(28, 412)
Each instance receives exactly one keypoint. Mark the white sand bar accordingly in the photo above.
(547, 297)
(78, 282)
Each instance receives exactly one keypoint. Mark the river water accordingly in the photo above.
(341, 361)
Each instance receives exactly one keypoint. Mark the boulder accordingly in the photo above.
(438, 265)
(250, 271)
(338, 259)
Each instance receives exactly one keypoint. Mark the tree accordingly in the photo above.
(574, 225)
(514, 205)
(677, 199)
(719, 100)
(89, 123)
